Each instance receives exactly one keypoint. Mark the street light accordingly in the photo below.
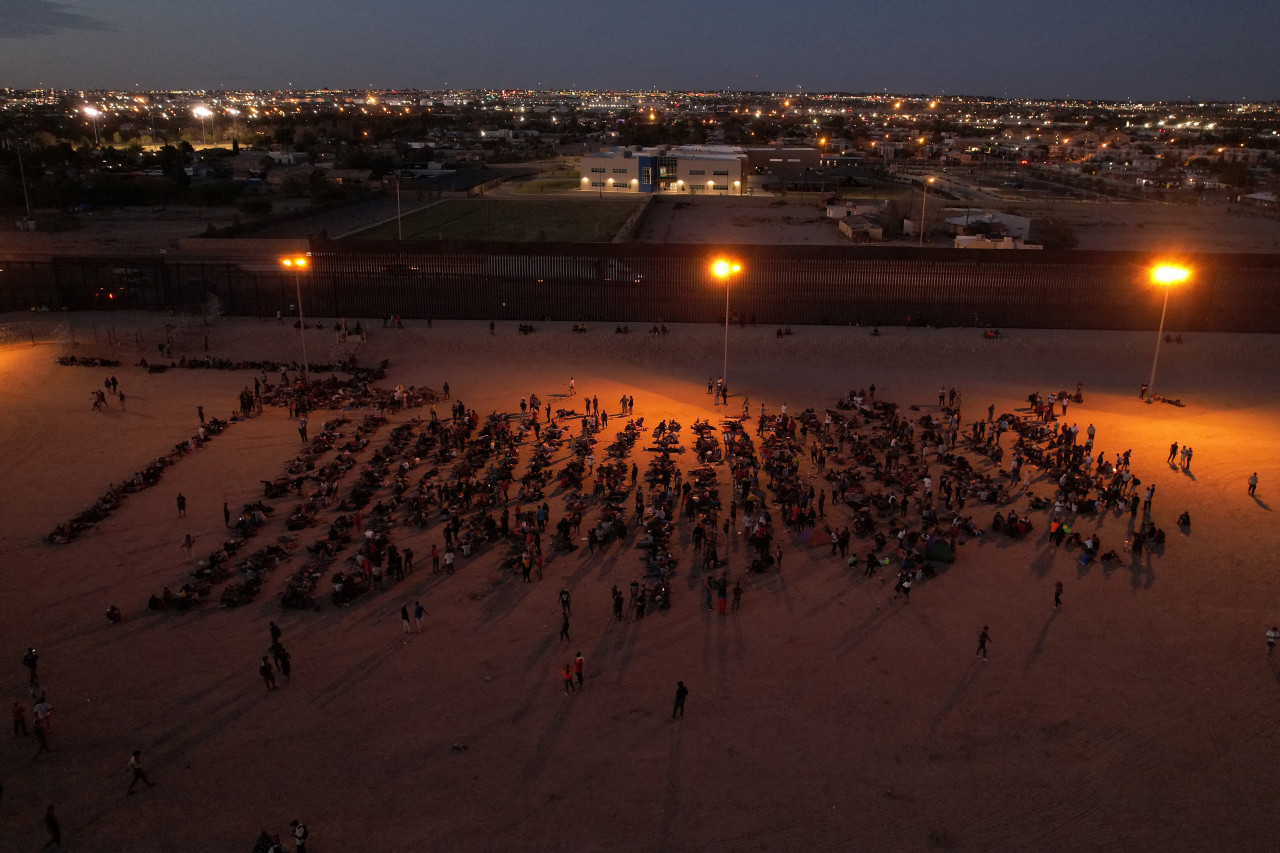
(924, 198)
(203, 114)
(299, 264)
(1166, 275)
(93, 113)
(722, 269)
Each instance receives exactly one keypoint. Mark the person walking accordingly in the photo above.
(139, 775)
(578, 664)
(1253, 483)
(404, 617)
(617, 604)
(267, 672)
(983, 639)
(1272, 636)
(182, 505)
(226, 514)
(418, 612)
(200, 412)
(682, 693)
(1173, 451)
(565, 601)
(1057, 594)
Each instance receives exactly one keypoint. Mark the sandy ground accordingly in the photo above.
(824, 716)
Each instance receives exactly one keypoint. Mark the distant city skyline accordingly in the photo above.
(1089, 50)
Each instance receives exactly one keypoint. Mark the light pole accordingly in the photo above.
(1166, 275)
(203, 114)
(722, 269)
(93, 113)
(923, 199)
(299, 264)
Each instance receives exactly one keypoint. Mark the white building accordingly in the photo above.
(717, 169)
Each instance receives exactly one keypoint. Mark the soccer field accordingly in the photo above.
(531, 221)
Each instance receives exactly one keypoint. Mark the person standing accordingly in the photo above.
(617, 604)
(722, 594)
(777, 556)
(182, 505)
(567, 674)
(1272, 636)
(299, 832)
(983, 639)
(578, 664)
(275, 632)
(139, 775)
(226, 514)
(418, 612)
(55, 832)
(1173, 451)
(31, 661)
(200, 412)
(404, 617)
(19, 712)
(1057, 594)
(565, 601)
(42, 737)
(1253, 483)
(682, 693)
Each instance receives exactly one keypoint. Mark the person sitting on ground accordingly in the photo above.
(1184, 520)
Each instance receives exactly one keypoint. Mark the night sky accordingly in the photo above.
(1118, 49)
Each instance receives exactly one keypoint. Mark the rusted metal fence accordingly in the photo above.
(646, 284)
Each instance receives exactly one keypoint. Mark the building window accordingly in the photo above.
(646, 175)
(619, 171)
(597, 183)
(697, 171)
(598, 170)
(721, 172)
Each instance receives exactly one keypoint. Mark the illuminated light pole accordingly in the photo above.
(298, 264)
(203, 114)
(1166, 275)
(93, 113)
(923, 199)
(722, 269)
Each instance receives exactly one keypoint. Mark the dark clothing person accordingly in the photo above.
(682, 693)
(51, 825)
(983, 639)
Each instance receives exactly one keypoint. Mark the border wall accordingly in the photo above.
(645, 284)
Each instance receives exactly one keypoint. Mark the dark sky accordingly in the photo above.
(1138, 49)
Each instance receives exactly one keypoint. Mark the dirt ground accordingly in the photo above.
(825, 715)
(716, 219)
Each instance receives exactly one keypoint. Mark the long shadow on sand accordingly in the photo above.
(1039, 646)
(962, 686)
